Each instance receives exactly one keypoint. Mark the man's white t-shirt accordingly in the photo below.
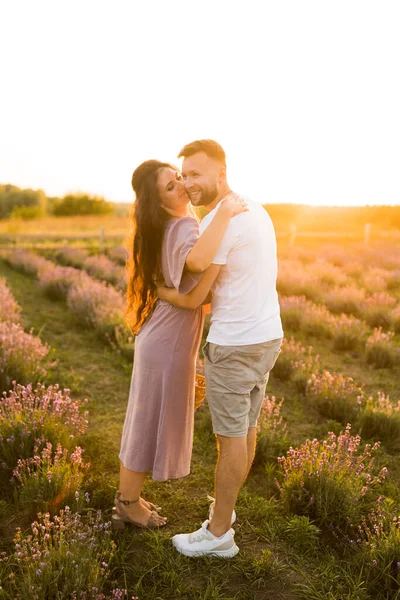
(245, 307)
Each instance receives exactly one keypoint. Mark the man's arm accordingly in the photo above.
(197, 296)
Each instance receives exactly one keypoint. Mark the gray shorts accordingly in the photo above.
(236, 378)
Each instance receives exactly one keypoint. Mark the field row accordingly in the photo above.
(101, 307)
(329, 492)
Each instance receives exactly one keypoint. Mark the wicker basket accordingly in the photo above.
(199, 390)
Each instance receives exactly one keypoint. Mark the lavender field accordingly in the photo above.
(319, 517)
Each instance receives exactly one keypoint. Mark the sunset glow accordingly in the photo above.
(304, 97)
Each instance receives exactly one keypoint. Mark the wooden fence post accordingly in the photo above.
(367, 232)
(101, 240)
(292, 234)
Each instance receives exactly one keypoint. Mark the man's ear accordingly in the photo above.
(222, 175)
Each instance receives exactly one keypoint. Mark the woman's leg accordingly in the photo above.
(130, 483)
(130, 487)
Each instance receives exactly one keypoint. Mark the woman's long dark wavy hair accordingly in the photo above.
(144, 250)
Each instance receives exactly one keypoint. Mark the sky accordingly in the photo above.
(304, 96)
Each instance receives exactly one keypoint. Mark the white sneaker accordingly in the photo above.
(211, 511)
(203, 542)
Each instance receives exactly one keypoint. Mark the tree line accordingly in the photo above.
(29, 204)
(333, 218)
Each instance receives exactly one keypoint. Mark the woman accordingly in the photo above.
(158, 429)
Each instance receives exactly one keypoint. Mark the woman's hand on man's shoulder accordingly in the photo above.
(233, 205)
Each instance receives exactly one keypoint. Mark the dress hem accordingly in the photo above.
(154, 477)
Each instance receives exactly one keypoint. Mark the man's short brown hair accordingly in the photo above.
(209, 147)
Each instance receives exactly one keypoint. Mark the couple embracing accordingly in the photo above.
(229, 258)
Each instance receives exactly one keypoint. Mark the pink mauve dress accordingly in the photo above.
(158, 429)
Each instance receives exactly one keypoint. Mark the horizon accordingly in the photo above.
(92, 92)
(286, 203)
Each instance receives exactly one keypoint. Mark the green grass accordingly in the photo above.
(281, 558)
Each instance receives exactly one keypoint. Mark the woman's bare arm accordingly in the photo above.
(197, 296)
(201, 255)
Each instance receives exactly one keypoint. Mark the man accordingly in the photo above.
(243, 342)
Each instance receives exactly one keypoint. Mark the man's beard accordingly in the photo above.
(207, 196)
